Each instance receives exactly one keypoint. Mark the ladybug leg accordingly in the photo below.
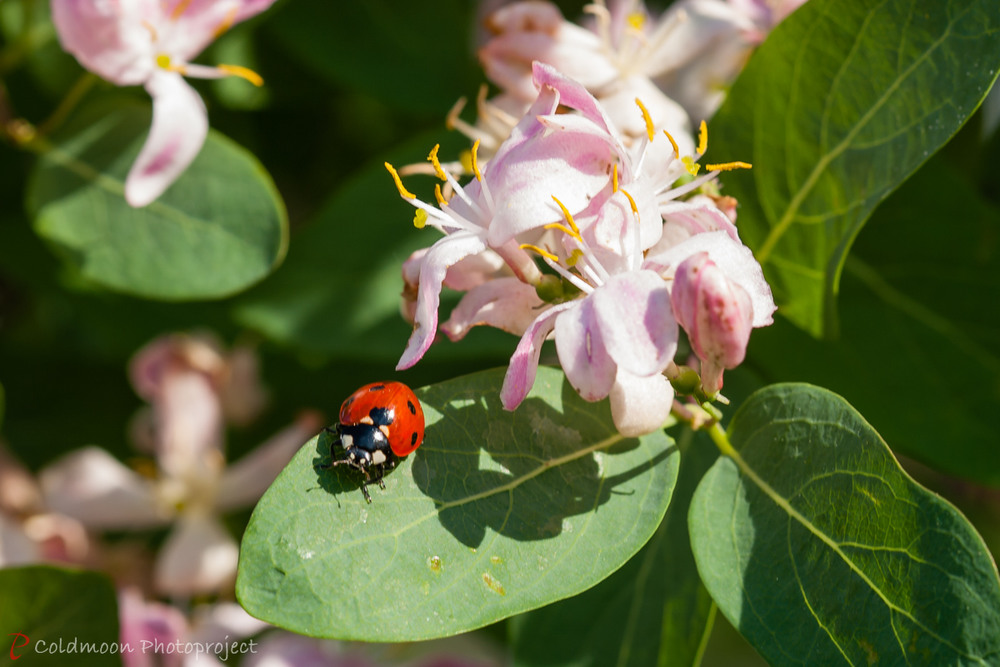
(364, 490)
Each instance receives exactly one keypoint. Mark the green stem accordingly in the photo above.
(73, 97)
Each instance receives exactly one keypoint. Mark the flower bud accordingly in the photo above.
(717, 315)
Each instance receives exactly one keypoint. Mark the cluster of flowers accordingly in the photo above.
(588, 219)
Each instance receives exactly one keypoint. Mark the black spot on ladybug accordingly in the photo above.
(382, 416)
(413, 439)
(412, 407)
(376, 387)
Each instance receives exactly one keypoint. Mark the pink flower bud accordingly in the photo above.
(717, 314)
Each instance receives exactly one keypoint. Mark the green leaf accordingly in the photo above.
(414, 56)
(653, 611)
(73, 614)
(497, 513)
(843, 102)
(821, 550)
(219, 228)
(919, 351)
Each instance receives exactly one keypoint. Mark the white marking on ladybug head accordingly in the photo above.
(366, 420)
(346, 440)
(378, 456)
(385, 431)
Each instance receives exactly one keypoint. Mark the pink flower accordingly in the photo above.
(184, 378)
(151, 43)
(151, 632)
(546, 152)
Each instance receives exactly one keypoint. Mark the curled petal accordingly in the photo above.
(736, 261)
(637, 321)
(717, 314)
(189, 422)
(640, 405)
(94, 487)
(504, 303)
(442, 255)
(582, 354)
(524, 363)
(199, 556)
(180, 125)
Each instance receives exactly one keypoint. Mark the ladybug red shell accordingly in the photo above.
(379, 423)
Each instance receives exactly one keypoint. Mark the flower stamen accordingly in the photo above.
(475, 161)
(673, 142)
(729, 166)
(569, 218)
(541, 251)
(702, 138)
(243, 73)
(403, 192)
(650, 131)
(433, 159)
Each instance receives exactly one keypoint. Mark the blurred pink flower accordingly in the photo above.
(147, 626)
(185, 379)
(151, 43)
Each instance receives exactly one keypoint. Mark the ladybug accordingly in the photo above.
(379, 423)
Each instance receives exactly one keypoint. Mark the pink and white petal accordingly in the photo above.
(473, 270)
(180, 125)
(442, 255)
(245, 481)
(108, 38)
(199, 556)
(194, 24)
(504, 303)
(637, 321)
(94, 487)
(736, 261)
(581, 351)
(524, 362)
(640, 405)
(141, 621)
(223, 622)
(697, 216)
(190, 423)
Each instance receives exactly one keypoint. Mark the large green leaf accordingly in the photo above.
(219, 228)
(497, 513)
(56, 616)
(919, 350)
(821, 550)
(844, 101)
(653, 611)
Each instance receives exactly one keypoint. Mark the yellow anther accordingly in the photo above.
(465, 158)
(646, 117)
(439, 196)
(692, 167)
(180, 9)
(677, 151)
(574, 257)
(163, 61)
(420, 218)
(544, 253)
(564, 229)
(403, 192)
(702, 138)
(568, 216)
(728, 166)
(614, 178)
(636, 20)
(433, 159)
(243, 73)
(631, 202)
(475, 161)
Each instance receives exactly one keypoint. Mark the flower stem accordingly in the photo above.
(73, 97)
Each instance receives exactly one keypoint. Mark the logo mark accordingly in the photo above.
(24, 639)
